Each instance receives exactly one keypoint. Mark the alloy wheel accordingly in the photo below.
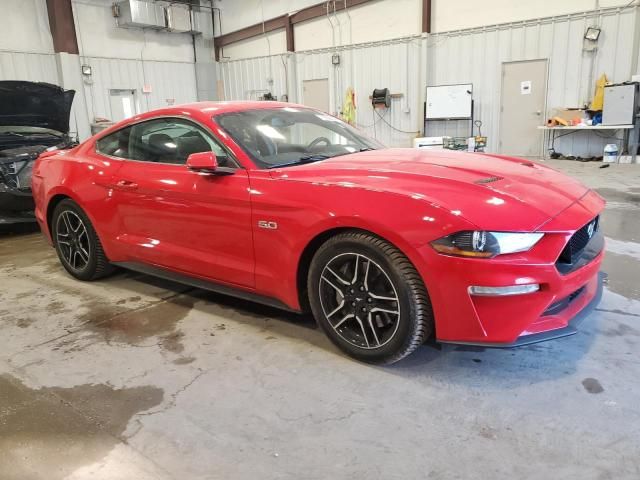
(359, 300)
(73, 240)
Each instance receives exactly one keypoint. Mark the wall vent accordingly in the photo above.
(137, 13)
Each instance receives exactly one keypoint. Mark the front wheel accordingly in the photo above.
(368, 298)
(77, 244)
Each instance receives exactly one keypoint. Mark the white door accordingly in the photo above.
(123, 104)
(524, 91)
(315, 94)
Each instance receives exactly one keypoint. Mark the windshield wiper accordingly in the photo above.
(366, 149)
(315, 157)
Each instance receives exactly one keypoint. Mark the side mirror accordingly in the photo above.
(207, 163)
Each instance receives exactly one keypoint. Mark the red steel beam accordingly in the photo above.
(320, 9)
(252, 31)
(63, 29)
(426, 16)
(283, 21)
(291, 46)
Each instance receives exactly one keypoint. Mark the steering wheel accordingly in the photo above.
(319, 140)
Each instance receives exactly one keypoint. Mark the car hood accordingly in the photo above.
(35, 105)
(492, 192)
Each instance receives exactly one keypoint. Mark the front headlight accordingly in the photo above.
(481, 244)
(23, 173)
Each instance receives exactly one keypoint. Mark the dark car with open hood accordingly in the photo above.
(34, 117)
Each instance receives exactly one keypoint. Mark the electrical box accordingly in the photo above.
(136, 13)
(620, 104)
(179, 18)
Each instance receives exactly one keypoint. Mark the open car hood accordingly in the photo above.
(33, 104)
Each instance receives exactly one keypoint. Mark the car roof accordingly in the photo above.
(197, 110)
(217, 108)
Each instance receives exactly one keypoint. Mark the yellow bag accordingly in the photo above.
(349, 107)
(598, 98)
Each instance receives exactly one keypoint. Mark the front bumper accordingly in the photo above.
(570, 329)
(564, 298)
(16, 206)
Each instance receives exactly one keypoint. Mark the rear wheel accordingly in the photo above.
(369, 298)
(77, 244)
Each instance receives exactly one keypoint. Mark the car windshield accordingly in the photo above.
(281, 137)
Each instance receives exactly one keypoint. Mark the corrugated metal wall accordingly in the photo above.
(35, 67)
(476, 56)
(389, 64)
(251, 78)
(473, 55)
(392, 65)
(168, 80)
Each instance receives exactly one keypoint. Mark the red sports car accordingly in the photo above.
(291, 207)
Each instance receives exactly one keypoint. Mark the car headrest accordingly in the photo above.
(162, 146)
(192, 144)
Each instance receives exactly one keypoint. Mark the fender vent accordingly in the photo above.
(488, 180)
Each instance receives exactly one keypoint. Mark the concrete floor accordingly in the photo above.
(135, 378)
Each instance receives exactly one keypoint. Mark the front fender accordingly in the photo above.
(302, 215)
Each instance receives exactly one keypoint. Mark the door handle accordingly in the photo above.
(126, 185)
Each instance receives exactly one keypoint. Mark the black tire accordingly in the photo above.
(401, 332)
(96, 265)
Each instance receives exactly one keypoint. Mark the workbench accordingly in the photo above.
(551, 133)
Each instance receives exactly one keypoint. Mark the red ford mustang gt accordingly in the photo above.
(288, 206)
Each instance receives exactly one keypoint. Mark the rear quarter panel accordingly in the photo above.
(84, 178)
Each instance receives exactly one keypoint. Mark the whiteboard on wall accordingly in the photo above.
(449, 102)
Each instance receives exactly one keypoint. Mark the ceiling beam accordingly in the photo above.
(286, 22)
(320, 10)
(252, 31)
(291, 45)
(63, 29)
(426, 16)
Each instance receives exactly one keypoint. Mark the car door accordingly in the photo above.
(170, 216)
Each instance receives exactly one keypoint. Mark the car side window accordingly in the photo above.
(163, 140)
(116, 144)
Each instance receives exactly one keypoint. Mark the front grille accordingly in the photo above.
(579, 241)
(560, 305)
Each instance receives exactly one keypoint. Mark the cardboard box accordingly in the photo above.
(567, 114)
